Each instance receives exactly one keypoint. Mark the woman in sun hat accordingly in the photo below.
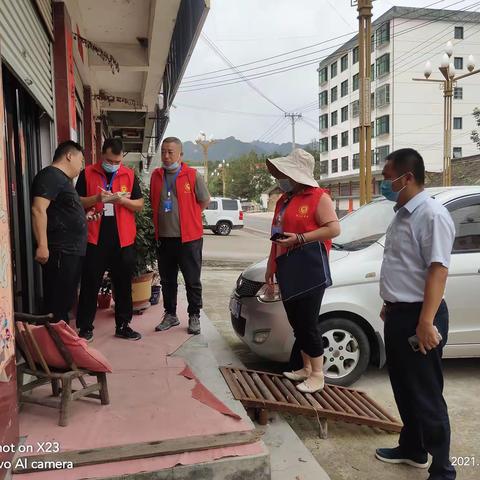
(302, 229)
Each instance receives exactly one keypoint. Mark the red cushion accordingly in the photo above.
(83, 355)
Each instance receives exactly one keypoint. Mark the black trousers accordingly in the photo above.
(61, 275)
(173, 255)
(303, 315)
(121, 263)
(417, 383)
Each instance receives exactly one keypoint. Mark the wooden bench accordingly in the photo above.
(60, 379)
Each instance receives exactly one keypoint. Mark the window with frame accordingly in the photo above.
(344, 88)
(457, 123)
(355, 55)
(344, 164)
(372, 130)
(458, 33)
(344, 63)
(345, 139)
(344, 112)
(333, 69)
(372, 42)
(334, 142)
(323, 145)
(323, 121)
(383, 34)
(458, 63)
(356, 161)
(383, 95)
(213, 205)
(230, 205)
(457, 152)
(323, 75)
(383, 125)
(466, 218)
(334, 118)
(355, 108)
(373, 158)
(383, 65)
(356, 134)
(356, 82)
(381, 153)
(372, 72)
(323, 99)
(333, 94)
(324, 167)
(458, 93)
(335, 165)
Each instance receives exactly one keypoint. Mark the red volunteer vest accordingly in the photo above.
(191, 225)
(299, 217)
(95, 179)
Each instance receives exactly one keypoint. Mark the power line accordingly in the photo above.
(234, 112)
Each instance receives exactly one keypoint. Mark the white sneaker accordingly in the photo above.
(310, 386)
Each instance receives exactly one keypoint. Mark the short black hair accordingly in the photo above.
(66, 147)
(408, 160)
(173, 140)
(114, 144)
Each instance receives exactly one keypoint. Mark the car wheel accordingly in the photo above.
(223, 228)
(347, 351)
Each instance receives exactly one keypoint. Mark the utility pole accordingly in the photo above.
(205, 143)
(364, 8)
(447, 69)
(293, 117)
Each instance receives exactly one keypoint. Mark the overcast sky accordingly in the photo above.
(249, 30)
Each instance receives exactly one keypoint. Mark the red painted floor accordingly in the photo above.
(149, 401)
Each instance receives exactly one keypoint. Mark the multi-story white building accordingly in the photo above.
(404, 113)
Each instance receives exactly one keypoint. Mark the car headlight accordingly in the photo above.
(261, 336)
(269, 293)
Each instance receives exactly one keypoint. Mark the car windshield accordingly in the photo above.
(365, 226)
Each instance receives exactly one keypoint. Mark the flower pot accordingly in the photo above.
(155, 298)
(103, 300)
(142, 289)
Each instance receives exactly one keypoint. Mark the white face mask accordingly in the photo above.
(285, 184)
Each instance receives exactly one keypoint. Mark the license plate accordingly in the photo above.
(235, 307)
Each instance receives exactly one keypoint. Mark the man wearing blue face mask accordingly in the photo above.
(412, 284)
(178, 197)
(113, 190)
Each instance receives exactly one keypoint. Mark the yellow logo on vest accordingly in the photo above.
(123, 189)
(188, 188)
(302, 211)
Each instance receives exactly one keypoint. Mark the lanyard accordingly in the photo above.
(170, 187)
(281, 213)
(108, 187)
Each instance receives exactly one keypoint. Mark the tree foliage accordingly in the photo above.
(475, 136)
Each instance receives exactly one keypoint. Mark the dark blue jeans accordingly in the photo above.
(417, 383)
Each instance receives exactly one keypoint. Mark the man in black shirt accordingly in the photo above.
(113, 190)
(60, 228)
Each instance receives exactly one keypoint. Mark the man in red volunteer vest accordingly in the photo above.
(178, 196)
(112, 190)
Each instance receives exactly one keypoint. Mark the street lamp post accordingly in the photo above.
(224, 167)
(205, 143)
(447, 68)
(364, 8)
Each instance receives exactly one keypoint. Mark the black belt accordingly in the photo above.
(403, 305)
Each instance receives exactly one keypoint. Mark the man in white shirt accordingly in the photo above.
(412, 284)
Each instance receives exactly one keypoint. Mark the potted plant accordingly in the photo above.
(156, 289)
(146, 250)
(105, 293)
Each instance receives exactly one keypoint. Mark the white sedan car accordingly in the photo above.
(349, 317)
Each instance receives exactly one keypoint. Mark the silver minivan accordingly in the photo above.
(349, 317)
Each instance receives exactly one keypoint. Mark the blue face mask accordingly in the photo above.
(109, 168)
(387, 189)
(285, 184)
(172, 167)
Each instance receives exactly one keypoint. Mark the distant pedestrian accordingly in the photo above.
(304, 224)
(412, 284)
(114, 191)
(178, 197)
(60, 229)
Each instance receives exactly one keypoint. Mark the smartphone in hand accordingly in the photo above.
(278, 236)
(413, 341)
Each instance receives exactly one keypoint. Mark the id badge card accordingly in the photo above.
(108, 210)
(167, 205)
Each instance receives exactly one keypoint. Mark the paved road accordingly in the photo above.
(260, 222)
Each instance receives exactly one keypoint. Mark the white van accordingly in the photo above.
(223, 215)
